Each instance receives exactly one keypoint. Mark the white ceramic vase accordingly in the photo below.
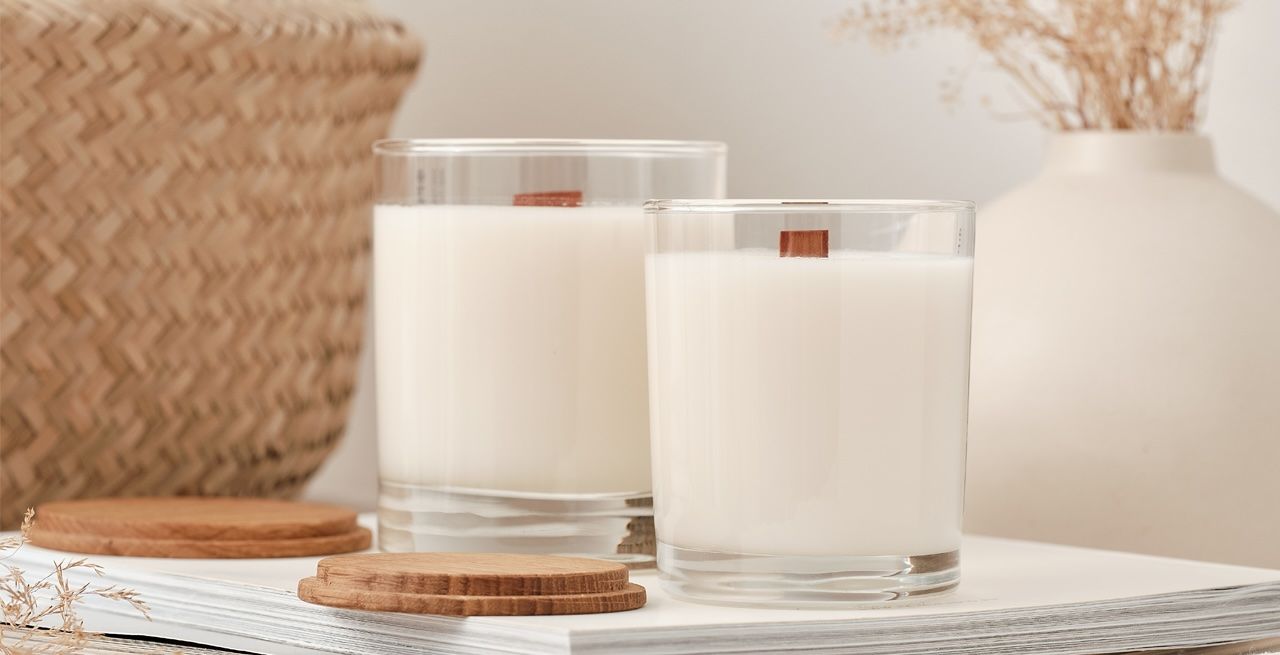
(1126, 355)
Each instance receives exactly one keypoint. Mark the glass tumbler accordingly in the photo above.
(808, 372)
(509, 340)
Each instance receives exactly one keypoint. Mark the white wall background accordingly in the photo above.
(804, 114)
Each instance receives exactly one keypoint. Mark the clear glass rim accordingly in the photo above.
(799, 206)
(547, 147)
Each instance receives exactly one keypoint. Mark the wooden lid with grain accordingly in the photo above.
(472, 584)
(198, 527)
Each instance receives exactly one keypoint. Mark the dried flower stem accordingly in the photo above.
(1082, 64)
(27, 604)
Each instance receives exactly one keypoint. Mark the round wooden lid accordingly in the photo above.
(197, 527)
(471, 584)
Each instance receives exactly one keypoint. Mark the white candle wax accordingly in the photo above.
(510, 348)
(809, 406)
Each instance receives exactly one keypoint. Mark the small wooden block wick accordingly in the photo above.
(548, 199)
(802, 243)
(472, 584)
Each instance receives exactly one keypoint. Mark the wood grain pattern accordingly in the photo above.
(472, 574)
(472, 584)
(803, 243)
(198, 527)
(358, 539)
(548, 199)
(313, 590)
(190, 518)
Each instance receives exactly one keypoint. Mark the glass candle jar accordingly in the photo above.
(808, 371)
(509, 340)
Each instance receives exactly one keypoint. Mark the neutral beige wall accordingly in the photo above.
(804, 114)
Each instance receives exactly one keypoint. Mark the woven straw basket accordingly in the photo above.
(184, 239)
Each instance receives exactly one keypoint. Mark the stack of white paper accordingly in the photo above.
(1015, 597)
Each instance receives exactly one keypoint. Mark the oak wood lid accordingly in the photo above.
(472, 584)
(197, 527)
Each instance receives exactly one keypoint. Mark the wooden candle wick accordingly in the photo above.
(803, 243)
(548, 199)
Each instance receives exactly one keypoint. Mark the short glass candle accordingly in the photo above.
(509, 340)
(808, 372)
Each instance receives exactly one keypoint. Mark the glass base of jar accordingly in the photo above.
(612, 526)
(803, 581)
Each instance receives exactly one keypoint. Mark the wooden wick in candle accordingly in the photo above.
(548, 199)
(802, 243)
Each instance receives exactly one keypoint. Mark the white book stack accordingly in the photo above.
(1015, 597)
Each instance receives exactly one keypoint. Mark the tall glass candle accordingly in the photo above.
(510, 340)
(808, 370)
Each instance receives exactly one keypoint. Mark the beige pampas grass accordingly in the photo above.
(27, 603)
(1081, 64)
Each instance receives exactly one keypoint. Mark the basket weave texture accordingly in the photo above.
(184, 238)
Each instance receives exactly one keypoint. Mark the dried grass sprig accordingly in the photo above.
(1079, 64)
(29, 603)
